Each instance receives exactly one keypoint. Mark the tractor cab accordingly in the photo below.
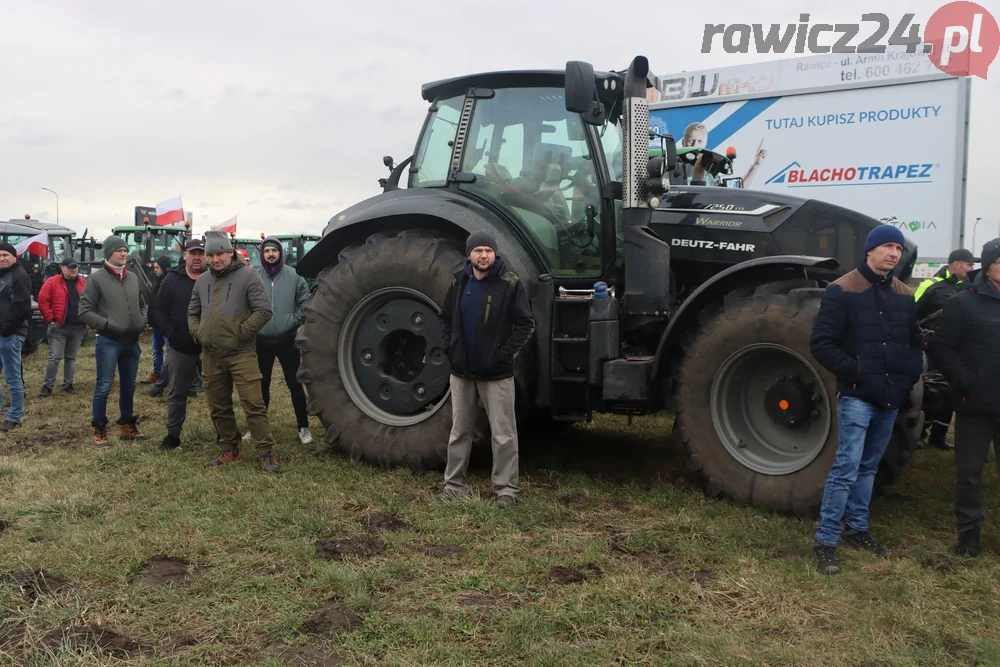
(146, 244)
(251, 247)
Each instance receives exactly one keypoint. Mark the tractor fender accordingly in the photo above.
(452, 213)
(766, 268)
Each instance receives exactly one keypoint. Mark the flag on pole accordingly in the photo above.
(36, 245)
(229, 226)
(170, 211)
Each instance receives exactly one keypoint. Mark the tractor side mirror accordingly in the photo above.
(581, 92)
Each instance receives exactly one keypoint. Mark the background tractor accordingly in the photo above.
(648, 294)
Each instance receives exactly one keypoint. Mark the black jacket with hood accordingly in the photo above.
(505, 327)
(15, 300)
(965, 346)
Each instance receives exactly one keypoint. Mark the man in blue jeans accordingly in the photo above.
(112, 306)
(866, 334)
(15, 311)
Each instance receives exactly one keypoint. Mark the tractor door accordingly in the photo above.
(545, 167)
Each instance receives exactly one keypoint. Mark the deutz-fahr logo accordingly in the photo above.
(797, 176)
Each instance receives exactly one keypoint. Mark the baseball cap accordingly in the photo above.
(68, 262)
(961, 255)
(194, 244)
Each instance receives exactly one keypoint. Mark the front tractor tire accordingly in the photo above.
(756, 412)
(373, 362)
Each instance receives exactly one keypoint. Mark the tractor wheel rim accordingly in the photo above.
(777, 439)
(391, 357)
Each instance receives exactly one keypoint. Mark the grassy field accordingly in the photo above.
(613, 557)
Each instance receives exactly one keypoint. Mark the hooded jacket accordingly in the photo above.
(288, 293)
(965, 347)
(15, 300)
(228, 308)
(504, 323)
(866, 334)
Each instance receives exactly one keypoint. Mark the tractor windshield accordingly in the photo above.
(433, 158)
(170, 244)
(59, 247)
(533, 158)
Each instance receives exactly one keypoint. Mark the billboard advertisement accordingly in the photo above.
(893, 151)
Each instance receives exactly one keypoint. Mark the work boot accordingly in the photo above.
(100, 436)
(155, 392)
(170, 442)
(130, 431)
(968, 543)
(46, 391)
(506, 501)
(269, 462)
(451, 494)
(8, 425)
(153, 377)
(70, 389)
(305, 435)
(862, 540)
(228, 456)
(942, 444)
(826, 559)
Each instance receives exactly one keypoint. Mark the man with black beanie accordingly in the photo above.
(485, 321)
(965, 348)
(866, 334)
(15, 312)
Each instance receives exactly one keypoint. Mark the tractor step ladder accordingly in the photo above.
(570, 356)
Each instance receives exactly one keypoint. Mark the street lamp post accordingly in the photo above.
(57, 203)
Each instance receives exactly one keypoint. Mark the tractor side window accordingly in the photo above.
(433, 158)
(532, 157)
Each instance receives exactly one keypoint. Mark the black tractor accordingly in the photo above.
(648, 294)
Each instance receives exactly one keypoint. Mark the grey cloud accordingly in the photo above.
(39, 139)
(298, 205)
(176, 95)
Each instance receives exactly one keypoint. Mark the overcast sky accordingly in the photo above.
(280, 112)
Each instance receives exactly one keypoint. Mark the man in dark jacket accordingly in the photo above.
(966, 348)
(866, 334)
(931, 296)
(112, 305)
(59, 303)
(15, 312)
(288, 293)
(485, 321)
(160, 268)
(229, 306)
(170, 316)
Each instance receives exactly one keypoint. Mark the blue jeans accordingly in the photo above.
(10, 362)
(113, 355)
(864, 433)
(159, 340)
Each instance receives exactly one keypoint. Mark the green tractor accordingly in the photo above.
(148, 241)
(251, 247)
(649, 294)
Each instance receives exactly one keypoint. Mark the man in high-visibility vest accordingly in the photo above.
(931, 296)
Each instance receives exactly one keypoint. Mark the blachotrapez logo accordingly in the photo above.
(806, 176)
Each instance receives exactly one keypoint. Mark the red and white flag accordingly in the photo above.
(229, 226)
(170, 211)
(36, 245)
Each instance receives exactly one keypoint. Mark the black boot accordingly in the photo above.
(170, 442)
(968, 543)
(826, 559)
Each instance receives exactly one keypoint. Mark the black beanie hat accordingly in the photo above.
(477, 239)
(9, 248)
(991, 252)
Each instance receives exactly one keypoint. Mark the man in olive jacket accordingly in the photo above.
(229, 305)
(113, 307)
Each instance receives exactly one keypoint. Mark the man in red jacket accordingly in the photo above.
(59, 302)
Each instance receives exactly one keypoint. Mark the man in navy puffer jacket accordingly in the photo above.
(866, 334)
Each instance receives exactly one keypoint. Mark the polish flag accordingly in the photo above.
(229, 226)
(36, 245)
(169, 212)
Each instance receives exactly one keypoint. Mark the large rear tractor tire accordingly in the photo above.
(373, 362)
(756, 412)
